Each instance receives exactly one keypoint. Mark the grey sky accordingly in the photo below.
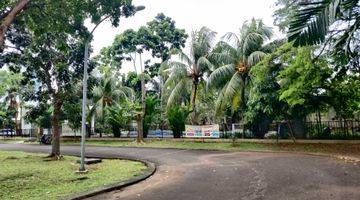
(221, 16)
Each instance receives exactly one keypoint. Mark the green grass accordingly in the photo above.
(13, 140)
(31, 176)
(241, 146)
(343, 149)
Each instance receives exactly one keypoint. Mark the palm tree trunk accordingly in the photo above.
(55, 122)
(143, 104)
(193, 102)
(103, 119)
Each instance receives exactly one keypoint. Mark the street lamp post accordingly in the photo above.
(83, 117)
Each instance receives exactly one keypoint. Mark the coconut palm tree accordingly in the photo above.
(235, 55)
(109, 92)
(187, 73)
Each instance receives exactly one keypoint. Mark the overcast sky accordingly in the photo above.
(221, 16)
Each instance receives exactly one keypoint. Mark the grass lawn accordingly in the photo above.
(14, 140)
(32, 176)
(335, 149)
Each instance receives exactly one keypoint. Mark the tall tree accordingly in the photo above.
(171, 38)
(159, 37)
(49, 46)
(235, 60)
(287, 85)
(189, 72)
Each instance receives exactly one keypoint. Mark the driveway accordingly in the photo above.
(215, 175)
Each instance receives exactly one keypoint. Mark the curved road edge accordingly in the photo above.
(149, 171)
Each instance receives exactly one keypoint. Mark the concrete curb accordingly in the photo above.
(151, 169)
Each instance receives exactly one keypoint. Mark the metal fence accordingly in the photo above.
(336, 129)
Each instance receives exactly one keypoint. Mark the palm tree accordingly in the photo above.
(188, 72)
(108, 93)
(11, 91)
(235, 56)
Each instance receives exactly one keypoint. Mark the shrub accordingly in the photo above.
(177, 117)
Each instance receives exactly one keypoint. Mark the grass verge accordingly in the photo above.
(31, 176)
(333, 149)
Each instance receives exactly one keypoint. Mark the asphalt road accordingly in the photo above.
(215, 175)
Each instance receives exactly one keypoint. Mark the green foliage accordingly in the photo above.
(152, 114)
(119, 117)
(109, 92)
(313, 19)
(10, 82)
(287, 84)
(177, 116)
(171, 37)
(40, 115)
(72, 112)
(344, 96)
(184, 76)
(303, 78)
(235, 58)
(160, 37)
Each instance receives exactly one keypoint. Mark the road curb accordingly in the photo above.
(151, 169)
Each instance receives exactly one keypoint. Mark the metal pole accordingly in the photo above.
(83, 119)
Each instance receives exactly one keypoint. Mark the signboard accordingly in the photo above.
(205, 131)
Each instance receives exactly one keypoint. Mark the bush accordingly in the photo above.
(177, 117)
(118, 118)
(152, 114)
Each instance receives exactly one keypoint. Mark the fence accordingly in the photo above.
(337, 129)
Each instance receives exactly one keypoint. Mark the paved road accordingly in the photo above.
(214, 175)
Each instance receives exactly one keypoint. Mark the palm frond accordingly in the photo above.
(311, 24)
(232, 38)
(255, 57)
(164, 68)
(204, 64)
(178, 72)
(220, 103)
(202, 42)
(220, 75)
(184, 58)
(178, 92)
(223, 53)
(234, 86)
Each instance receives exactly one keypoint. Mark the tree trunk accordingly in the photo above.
(143, 105)
(291, 130)
(55, 122)
(143, 109)
(193, 102)
(8, 20)
(139, 122)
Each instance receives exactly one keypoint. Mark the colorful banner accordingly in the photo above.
(205, 131)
